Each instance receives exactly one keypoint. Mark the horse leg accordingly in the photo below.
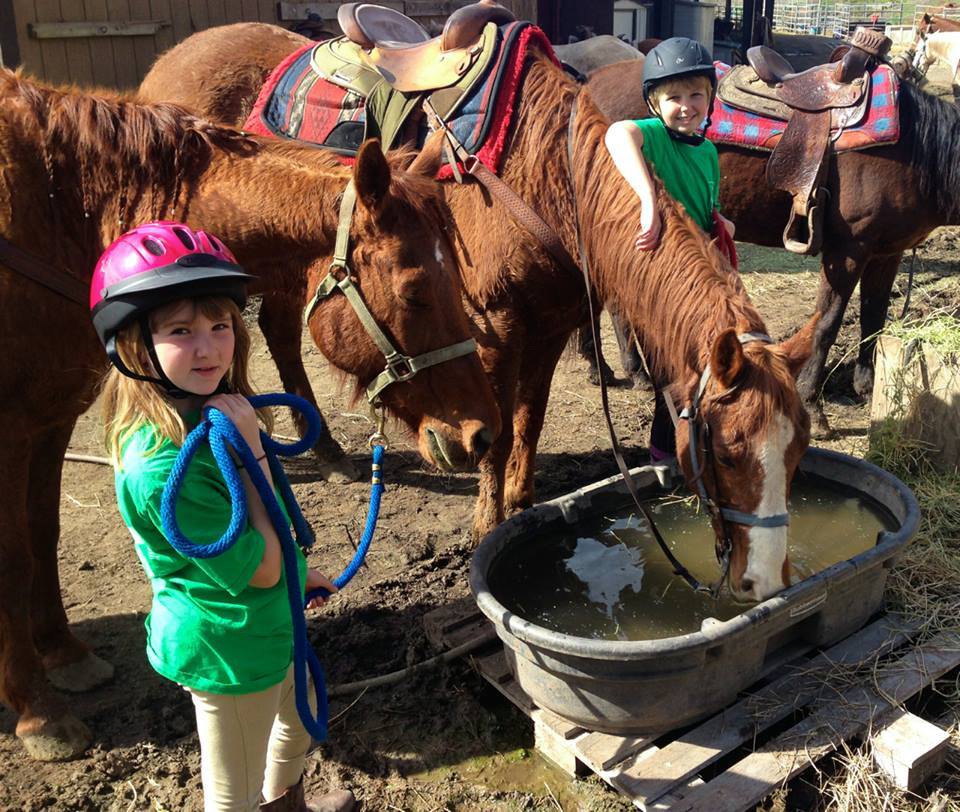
(70, 664)
(503, 370)
(280, 321)
(629, 354)
(586, 350)
(49, 732)
(838, 278)
(536, 374)
(875, 286)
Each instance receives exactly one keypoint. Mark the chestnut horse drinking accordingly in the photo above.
(883, 201)
(684, 299)
(78, 170)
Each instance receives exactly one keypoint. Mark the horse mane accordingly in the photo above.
(111, 149)
(934, 128)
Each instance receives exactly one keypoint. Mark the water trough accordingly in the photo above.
(651, 686)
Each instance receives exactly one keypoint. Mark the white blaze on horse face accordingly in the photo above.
(768, 545)
(438, 251)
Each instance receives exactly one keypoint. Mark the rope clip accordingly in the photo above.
(378, 413)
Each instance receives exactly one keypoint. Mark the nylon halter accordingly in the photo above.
(399, 367)
(722, 514)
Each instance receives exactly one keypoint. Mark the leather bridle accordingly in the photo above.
(399, 366)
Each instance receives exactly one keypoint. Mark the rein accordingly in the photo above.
(399, 367)
(217, 429)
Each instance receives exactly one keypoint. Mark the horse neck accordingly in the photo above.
(678, 298)
(269, 207)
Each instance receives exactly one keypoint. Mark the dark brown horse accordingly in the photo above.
(77, 170)
(883, 201)
(684, 300)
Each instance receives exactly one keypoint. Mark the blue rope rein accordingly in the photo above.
(217, 429)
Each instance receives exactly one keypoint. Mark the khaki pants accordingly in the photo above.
(250, 744)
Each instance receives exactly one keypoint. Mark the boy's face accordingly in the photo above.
(683, 104)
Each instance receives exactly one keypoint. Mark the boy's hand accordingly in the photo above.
(727, 224)
(316, 580)
(648, 237)
(242, 415)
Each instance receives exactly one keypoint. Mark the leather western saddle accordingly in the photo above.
(401, 51)
(813, 102)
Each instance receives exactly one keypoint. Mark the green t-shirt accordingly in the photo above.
(207, 629)
(691, 174)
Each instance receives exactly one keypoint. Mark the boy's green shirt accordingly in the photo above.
(690, 174)
(207, 629)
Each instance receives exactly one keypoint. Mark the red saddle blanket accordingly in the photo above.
(881, 125)
(295, 102)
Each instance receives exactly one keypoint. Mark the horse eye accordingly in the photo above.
(726, 462)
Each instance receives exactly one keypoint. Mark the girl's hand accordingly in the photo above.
(648, 237)
(242, 415)
(316, 580)
(727, 224)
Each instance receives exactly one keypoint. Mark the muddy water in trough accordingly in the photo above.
(607, 579)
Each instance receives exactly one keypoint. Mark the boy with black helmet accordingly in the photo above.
(679, 83)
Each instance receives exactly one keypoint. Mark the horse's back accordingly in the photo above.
(219, 71)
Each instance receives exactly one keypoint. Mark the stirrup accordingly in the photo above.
(812, 225)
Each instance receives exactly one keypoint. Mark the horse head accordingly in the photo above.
(740, 446)
(402, 265)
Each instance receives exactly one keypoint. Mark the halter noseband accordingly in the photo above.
(399, 367)
(722, 514)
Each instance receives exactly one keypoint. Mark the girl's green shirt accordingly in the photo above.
(690, 174)
(207, 629)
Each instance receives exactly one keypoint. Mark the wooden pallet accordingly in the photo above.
(791, 718)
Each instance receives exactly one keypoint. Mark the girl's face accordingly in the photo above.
(683, 106)
(195, 350)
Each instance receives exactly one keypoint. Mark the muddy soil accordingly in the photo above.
(442, 740)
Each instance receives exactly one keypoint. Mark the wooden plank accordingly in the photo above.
(552, 741)
(908, 749)
(79, 57)
(55, 67)
(739, 723)
(326, 11)
(102, 70)
(601, 751)
(144, 48)
(103, 28)
(164, 38)
(124, 57)
(494, 666)
(754, 777)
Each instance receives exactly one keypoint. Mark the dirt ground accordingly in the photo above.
(442, 740)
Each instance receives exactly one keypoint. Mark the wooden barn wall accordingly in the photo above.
(121, 61)
(118, 61)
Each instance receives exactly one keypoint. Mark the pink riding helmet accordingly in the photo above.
(156, 263)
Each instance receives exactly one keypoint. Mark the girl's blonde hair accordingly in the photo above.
(670, 86)
(129, 404)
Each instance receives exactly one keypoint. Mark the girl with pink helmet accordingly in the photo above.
(166, 303)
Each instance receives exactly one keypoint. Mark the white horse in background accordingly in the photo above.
(943, 46)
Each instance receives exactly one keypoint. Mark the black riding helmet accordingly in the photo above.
(676, 58)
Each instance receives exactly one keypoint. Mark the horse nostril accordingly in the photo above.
(481, 441)
(746, 585)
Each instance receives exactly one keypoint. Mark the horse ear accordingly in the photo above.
(428, 162)
(371, 175)
(796, 349)
(727, 360)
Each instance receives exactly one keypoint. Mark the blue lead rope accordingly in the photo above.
(221, 433)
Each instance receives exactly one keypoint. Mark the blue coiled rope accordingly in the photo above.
(222, 435)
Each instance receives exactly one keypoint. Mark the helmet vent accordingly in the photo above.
(185, 238)
(214, 243)
(153, 246)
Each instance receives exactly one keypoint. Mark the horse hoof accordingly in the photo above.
(641, 382)
(83, 675)
(593, 377)
(59, 740)
(820, 429)
(340, 472)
